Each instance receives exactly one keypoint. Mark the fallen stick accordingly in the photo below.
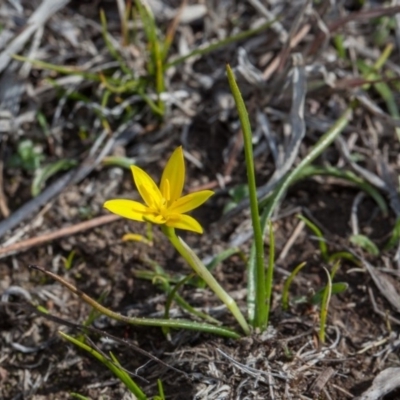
(47, 237)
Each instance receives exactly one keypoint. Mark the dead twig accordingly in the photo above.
(356, 16)
(321, 381)
(5, 211)
(67, 231)
(296, 35)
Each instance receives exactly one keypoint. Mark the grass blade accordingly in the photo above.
(286, 286)
(365, 243)
(112, 366)
(42, 174)
(349, 176)
(317, 232)
(337, 288)
(260, 319)
(326, 297)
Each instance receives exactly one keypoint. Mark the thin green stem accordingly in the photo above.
(260, 320)
(186, 252)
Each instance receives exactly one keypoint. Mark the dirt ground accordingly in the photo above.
(76, 117)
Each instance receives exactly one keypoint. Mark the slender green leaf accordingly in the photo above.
(339, 44)
(44, 173)
(260, 320)
(69, 260)
(160, 389)
(317, 232)
(326, 297)
(349, 176)
(43, 123)
(66, 70)
(79, 396)
(365, 243)
(175, 324)
(395, 237)
(111, 365)
(346, 256)
(270, 271)
(286, 286)
(337, 288)
(155, 66)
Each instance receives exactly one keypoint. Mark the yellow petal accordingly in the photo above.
(190, 202)
(173, 176)
(185, 222)
(126, 208)
(146, 187)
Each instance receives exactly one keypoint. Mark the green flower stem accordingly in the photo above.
(186, 252)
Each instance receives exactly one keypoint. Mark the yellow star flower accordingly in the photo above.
(164, 204)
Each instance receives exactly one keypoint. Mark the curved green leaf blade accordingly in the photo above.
(42, 174)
